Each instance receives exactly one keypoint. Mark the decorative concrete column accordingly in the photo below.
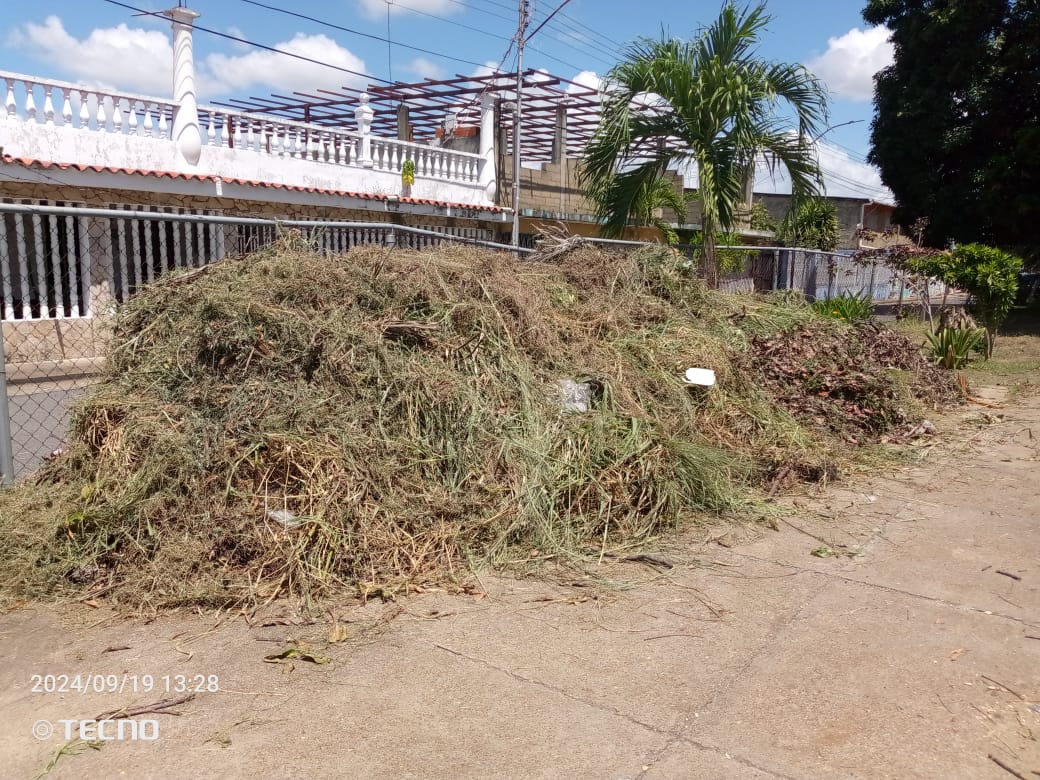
(186, 132)
(559, 142)
(363, 116)
(404, 124)
(487, 147)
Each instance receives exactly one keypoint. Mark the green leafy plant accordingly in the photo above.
(761, 218)
(848, 307)
(408, 173)
(729, 260)
(990, 276)
(952, 347)
(811, 223)
(649, 206)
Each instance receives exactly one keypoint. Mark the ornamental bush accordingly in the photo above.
(990, 276)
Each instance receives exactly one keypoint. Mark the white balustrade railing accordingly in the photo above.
(286, 138)
(278, 137)
(58, 103)
(430, 161)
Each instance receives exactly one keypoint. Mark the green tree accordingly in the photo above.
(811, 223)
(956, 132)
(656, 195)
(710, 102)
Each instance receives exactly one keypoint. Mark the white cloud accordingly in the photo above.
(138, 60)
(489, 67)
(425, 69)
(851, 60)
(129, 58)
(587, 79)
(221, 74)
(376, 9)
(843, 177)
(846, 177)
(237, 32)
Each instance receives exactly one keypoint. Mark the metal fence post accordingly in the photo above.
(6, 452)
(873, 275)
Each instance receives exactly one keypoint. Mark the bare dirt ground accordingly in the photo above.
(890, 628)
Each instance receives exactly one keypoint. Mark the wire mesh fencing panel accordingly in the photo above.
(49, 333)
(822, 275)
(65, 269)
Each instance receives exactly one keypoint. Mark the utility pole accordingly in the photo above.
(525, 8)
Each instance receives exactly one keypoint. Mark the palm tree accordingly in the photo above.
(710, 102)
(656, 193)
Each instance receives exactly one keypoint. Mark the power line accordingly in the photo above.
(481, 10)
(867, 189)
(548, 18)
(452, 21)
(495, 3)
(379, 38)
(587, 50)
(352, 31)
(849, 151)
(471, 7)
(575, 39)
(565, 26)
(578, 22)
(254, 43)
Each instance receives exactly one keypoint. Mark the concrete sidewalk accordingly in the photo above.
(916, 657)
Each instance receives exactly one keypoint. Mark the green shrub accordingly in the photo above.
(990, 276)
(729, 260)
(848, 307)
(811, 223)
(952, 347)
(761, 218)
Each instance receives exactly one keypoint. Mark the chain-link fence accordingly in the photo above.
(64, 269)
(816, 274)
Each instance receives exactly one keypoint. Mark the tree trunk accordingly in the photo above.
(710, 259)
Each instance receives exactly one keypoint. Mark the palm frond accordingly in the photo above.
(709, 101)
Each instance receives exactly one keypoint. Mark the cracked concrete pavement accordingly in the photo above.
(913, 652)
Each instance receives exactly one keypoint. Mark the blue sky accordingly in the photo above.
(99, 43)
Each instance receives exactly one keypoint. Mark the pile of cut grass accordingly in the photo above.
(286, 423)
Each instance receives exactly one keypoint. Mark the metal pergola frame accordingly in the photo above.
(431, 102)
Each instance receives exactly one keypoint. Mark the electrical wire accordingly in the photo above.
(481, 10)
(576, 38)
(239, 39)
(564, 24)
(416, 11)
(548, 19)
(352, 31)
(580, 45)
(494, 4)
(587, 50)
(595, 33)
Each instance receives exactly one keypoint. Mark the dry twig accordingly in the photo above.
(160, 707)
(1006, 768)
